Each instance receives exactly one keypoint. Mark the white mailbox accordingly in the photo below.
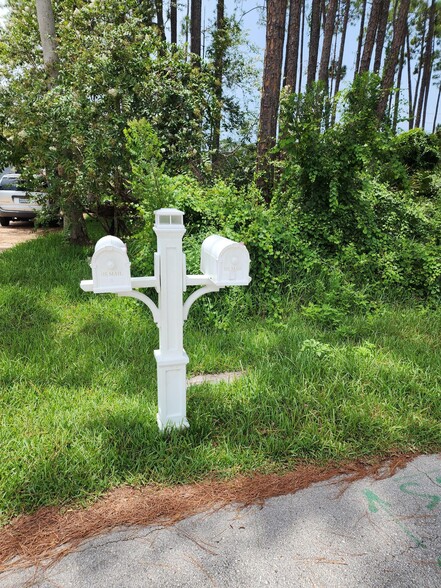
(110, 266)
(223, 263)
(226, 262)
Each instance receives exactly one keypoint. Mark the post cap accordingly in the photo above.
(169, 217)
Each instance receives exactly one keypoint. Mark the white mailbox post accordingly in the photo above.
(223, 263)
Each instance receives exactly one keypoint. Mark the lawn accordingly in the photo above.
(78, 388)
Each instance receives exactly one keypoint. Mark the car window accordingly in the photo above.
(12, 184)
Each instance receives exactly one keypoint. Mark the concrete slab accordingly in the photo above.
(377, 533)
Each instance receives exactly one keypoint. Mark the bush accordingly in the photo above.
(360, 196)
(343, 228)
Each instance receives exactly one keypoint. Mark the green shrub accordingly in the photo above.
(366, 202)
(344, 226)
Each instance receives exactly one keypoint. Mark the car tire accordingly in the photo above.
(4, 221)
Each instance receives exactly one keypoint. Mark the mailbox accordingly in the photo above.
(110, 266)
(226, 262)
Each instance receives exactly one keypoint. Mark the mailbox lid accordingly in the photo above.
(110, 241)
(214, 245)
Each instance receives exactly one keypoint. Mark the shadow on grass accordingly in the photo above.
(46, 263)
(21, 309)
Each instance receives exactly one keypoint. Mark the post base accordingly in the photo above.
(172, 387)
(172, 423)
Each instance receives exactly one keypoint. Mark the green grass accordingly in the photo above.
(78, 388)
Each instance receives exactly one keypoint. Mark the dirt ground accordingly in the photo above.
(18, 232)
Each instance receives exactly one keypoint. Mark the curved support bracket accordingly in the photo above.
(193, 297)
(143, 298)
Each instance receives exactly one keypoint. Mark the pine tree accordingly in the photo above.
(195, 27)
(314, 40)
(272, 77)
(292, 44)
(327, 41)
(399, 35)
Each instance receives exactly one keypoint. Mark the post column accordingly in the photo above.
(171, 358)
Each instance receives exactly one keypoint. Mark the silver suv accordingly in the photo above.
(16, 202)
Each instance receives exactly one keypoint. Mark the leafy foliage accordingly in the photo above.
(350, 190)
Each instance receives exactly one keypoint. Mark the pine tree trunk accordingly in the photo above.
(338, 76)
(314, 39)
(399, 35)
(398, 89)
(360, 38)
(409, 80)
(371, 33)
(323, 13)
(219, 54)
(174, 21)
(426, 97)
(420, 66)
(160, 18)
(333, 63)
(292, 44)
(436, 109)
(327, 41)
(269, 104)
(195, 27)
(302, 39)
(381, 34)
(427, 67)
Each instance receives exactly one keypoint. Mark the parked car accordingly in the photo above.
(16, 202)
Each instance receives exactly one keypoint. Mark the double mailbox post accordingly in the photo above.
(223, 263)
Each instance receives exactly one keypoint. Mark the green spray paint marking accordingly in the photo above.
(438, 480)
(434, 498)
(375, 503)
(439, 562)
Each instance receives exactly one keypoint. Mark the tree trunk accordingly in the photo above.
(427, 66)
(409, 80)
(436, 109)
(269, 104)
(426, 96)
(302, 38)
(338, 75)
(399, 34)
(420, 66)
(398, 89)
(160, 18)
(314, 39)
(323, 13)
(327, 41)
(219, 54)
(174, 21)
(73, 219)
(370, 36)
(46, 27)
(360, 38)
(292, 44)
(73, 222)
(195, 27)
(333, 63)
(381, 34)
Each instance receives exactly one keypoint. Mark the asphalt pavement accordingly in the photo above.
(375, 533)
